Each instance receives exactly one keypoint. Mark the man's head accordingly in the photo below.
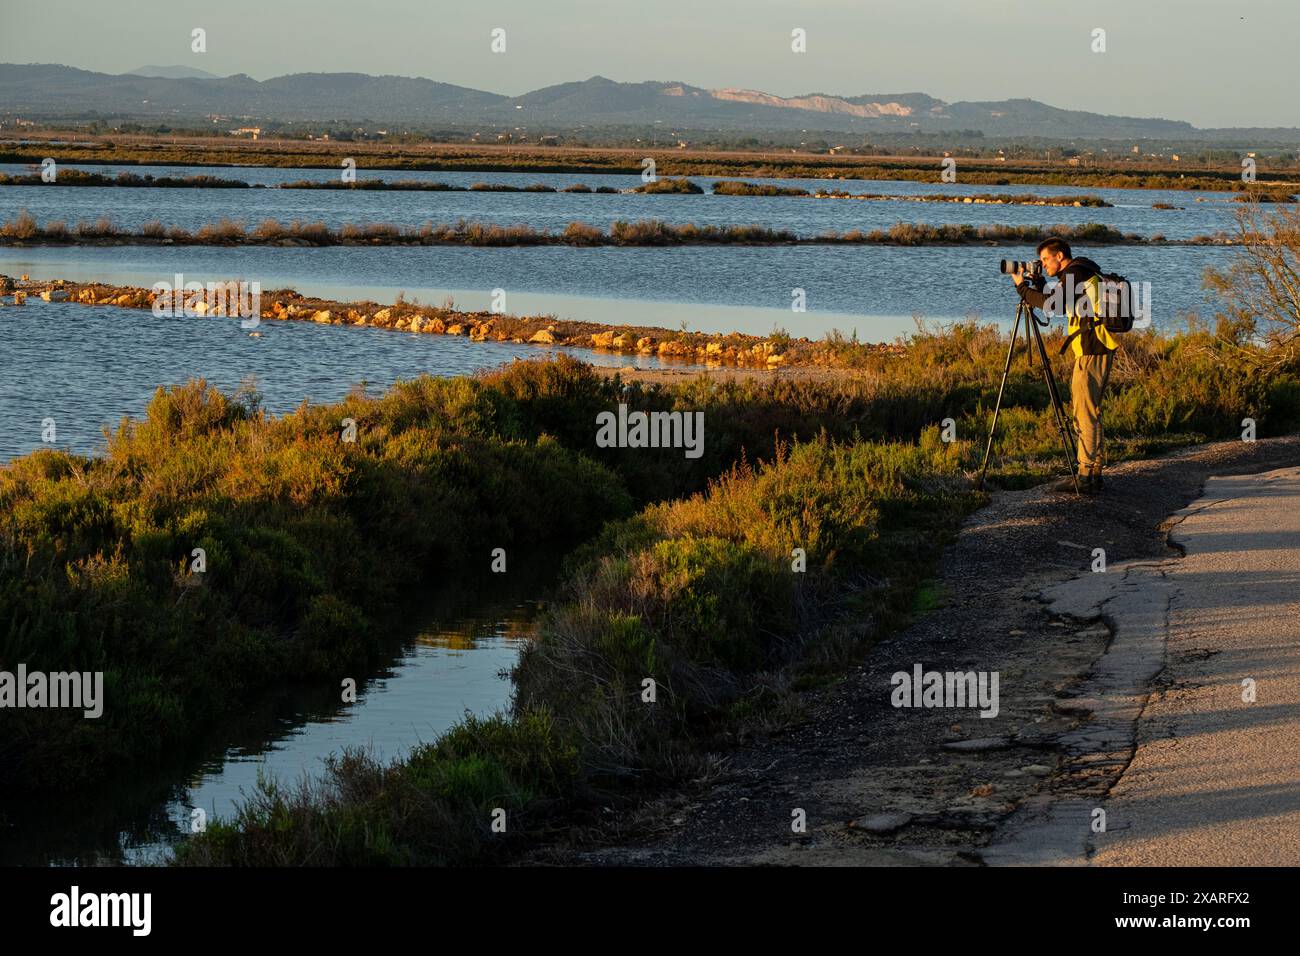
(1055, 254)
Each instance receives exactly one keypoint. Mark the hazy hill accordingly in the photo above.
(174, 72)
(51, 91)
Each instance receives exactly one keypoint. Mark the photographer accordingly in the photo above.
(1078, 296)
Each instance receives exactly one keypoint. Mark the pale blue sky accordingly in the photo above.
(1195, 60)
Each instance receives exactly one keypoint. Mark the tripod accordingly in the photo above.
(1062, 422)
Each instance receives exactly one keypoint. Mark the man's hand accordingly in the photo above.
(1018, 276)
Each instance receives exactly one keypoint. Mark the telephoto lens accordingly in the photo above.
(1009, 266)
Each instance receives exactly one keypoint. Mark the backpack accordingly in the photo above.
(1115, 293)
(1115, 304)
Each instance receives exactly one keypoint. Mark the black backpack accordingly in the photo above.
(1116, 297)
(1115, 303)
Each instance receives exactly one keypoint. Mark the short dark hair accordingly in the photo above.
(1055, 244)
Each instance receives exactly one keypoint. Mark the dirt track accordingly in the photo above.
(884, 786)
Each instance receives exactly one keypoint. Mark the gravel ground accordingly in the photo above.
(880, 785)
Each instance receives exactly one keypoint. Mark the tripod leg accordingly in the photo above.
(997, 408)
(1062, 422)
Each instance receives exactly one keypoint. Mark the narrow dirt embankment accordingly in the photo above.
(881, 785)
(222, 298)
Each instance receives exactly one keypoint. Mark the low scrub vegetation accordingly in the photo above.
(699, 595)
(921, 234)
(696, 595)
(309, 541)
(681, 185)
(1136, 174)
(79, 177)
(734, 188)
(642, 232)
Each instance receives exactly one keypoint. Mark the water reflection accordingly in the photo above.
(862, 289)
(1133, 210)
(455, 662)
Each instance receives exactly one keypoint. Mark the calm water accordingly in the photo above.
(455, 664)
(1201, 212)
(87, 367)
(873, 291)
(870, 290)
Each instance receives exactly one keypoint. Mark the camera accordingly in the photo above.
(1033, 268)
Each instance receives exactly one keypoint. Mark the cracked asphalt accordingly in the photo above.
(1215, 780)
(1119, 691)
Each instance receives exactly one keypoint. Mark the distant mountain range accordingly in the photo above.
(174, 72)
(176, 93)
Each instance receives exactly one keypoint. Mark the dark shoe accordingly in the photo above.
(1090, 484)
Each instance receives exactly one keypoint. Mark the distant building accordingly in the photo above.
(253, 131)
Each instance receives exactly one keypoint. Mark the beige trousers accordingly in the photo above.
(1091, 372)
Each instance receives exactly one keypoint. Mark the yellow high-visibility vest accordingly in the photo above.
(1091, 288)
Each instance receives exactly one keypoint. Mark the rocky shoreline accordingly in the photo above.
(1092, 202)
(708, 349)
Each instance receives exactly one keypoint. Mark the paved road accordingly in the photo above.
(884, 786)
(1215, 779)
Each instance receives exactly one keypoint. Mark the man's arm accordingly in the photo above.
(1030, 292)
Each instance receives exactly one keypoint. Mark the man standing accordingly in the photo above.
(1079, 297)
